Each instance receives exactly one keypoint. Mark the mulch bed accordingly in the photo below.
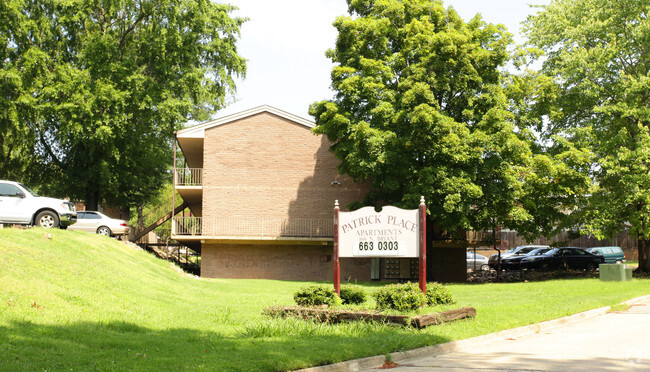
(327, 315)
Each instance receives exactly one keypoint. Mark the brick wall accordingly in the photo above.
(265, 165)
(280, 262)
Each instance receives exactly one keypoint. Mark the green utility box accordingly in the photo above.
(615, 272)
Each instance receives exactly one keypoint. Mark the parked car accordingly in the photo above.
(96, 222)
(514, 262)
(565, 257)
(611, 254)
(476, 262)
(22, 206)
(517, 251)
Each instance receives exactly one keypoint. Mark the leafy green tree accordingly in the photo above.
(557, 182)
(96, 88)
(16, 140)
(420, 109)
(596, 55)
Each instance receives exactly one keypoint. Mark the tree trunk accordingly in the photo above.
(140, 218)
(644, 254)
(92, 200)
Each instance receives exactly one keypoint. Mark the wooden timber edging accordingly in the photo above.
(422, 321)
(327, 315)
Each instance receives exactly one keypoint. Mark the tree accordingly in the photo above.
(420, 109)
(16, 141)
(97, 87)
(596, 54)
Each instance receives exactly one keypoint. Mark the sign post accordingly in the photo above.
(423, 245)
(337, 264)
(391, 233)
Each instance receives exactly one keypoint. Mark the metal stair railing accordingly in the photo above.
(158, 222)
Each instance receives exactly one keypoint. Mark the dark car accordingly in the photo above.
(611, 254)
(514, 262)
(563, 258)
(521, 250)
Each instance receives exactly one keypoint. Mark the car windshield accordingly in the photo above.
(538, 251)
(550, 252)
(34, 194)
(517, 249)
(526, 250)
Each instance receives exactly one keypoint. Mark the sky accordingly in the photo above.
(284, 42)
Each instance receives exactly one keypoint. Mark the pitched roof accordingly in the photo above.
(198, 131)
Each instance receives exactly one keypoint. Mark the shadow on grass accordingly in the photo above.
(127, 346)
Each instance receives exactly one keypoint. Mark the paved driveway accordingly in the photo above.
(617, 341)
(596, 340)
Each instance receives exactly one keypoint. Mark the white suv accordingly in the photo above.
(20, 205)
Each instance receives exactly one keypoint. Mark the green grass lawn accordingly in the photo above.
(78, 301)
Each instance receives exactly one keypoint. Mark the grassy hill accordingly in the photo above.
(77, 301)
(72, 300)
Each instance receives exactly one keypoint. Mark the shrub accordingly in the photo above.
(352, 295)
(316, 295)
(401, 297)
(438, 294)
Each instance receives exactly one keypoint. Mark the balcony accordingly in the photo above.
(252, 229)
(188, 177)
(189, 185)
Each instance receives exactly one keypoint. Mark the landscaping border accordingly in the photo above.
(328, 315)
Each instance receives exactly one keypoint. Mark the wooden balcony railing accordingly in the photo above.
(254, 227)
(188, 176)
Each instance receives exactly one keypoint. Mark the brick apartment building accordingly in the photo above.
(261, 189)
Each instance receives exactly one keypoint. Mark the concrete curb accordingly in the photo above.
(469, 343)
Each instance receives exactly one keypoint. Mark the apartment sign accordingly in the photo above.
(393, 232)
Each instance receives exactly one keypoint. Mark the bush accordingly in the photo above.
(401, 297)
(438, 294)
(352, 295)
(316, 295)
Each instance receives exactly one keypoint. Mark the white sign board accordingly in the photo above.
(393, 232)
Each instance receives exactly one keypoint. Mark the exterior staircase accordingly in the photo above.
(139, 234)
(160, 243)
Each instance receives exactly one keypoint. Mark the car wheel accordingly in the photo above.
(591, 266)
(485, 267)
(103, 230)
(619, 261)
(544, 266)
(47, 220)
